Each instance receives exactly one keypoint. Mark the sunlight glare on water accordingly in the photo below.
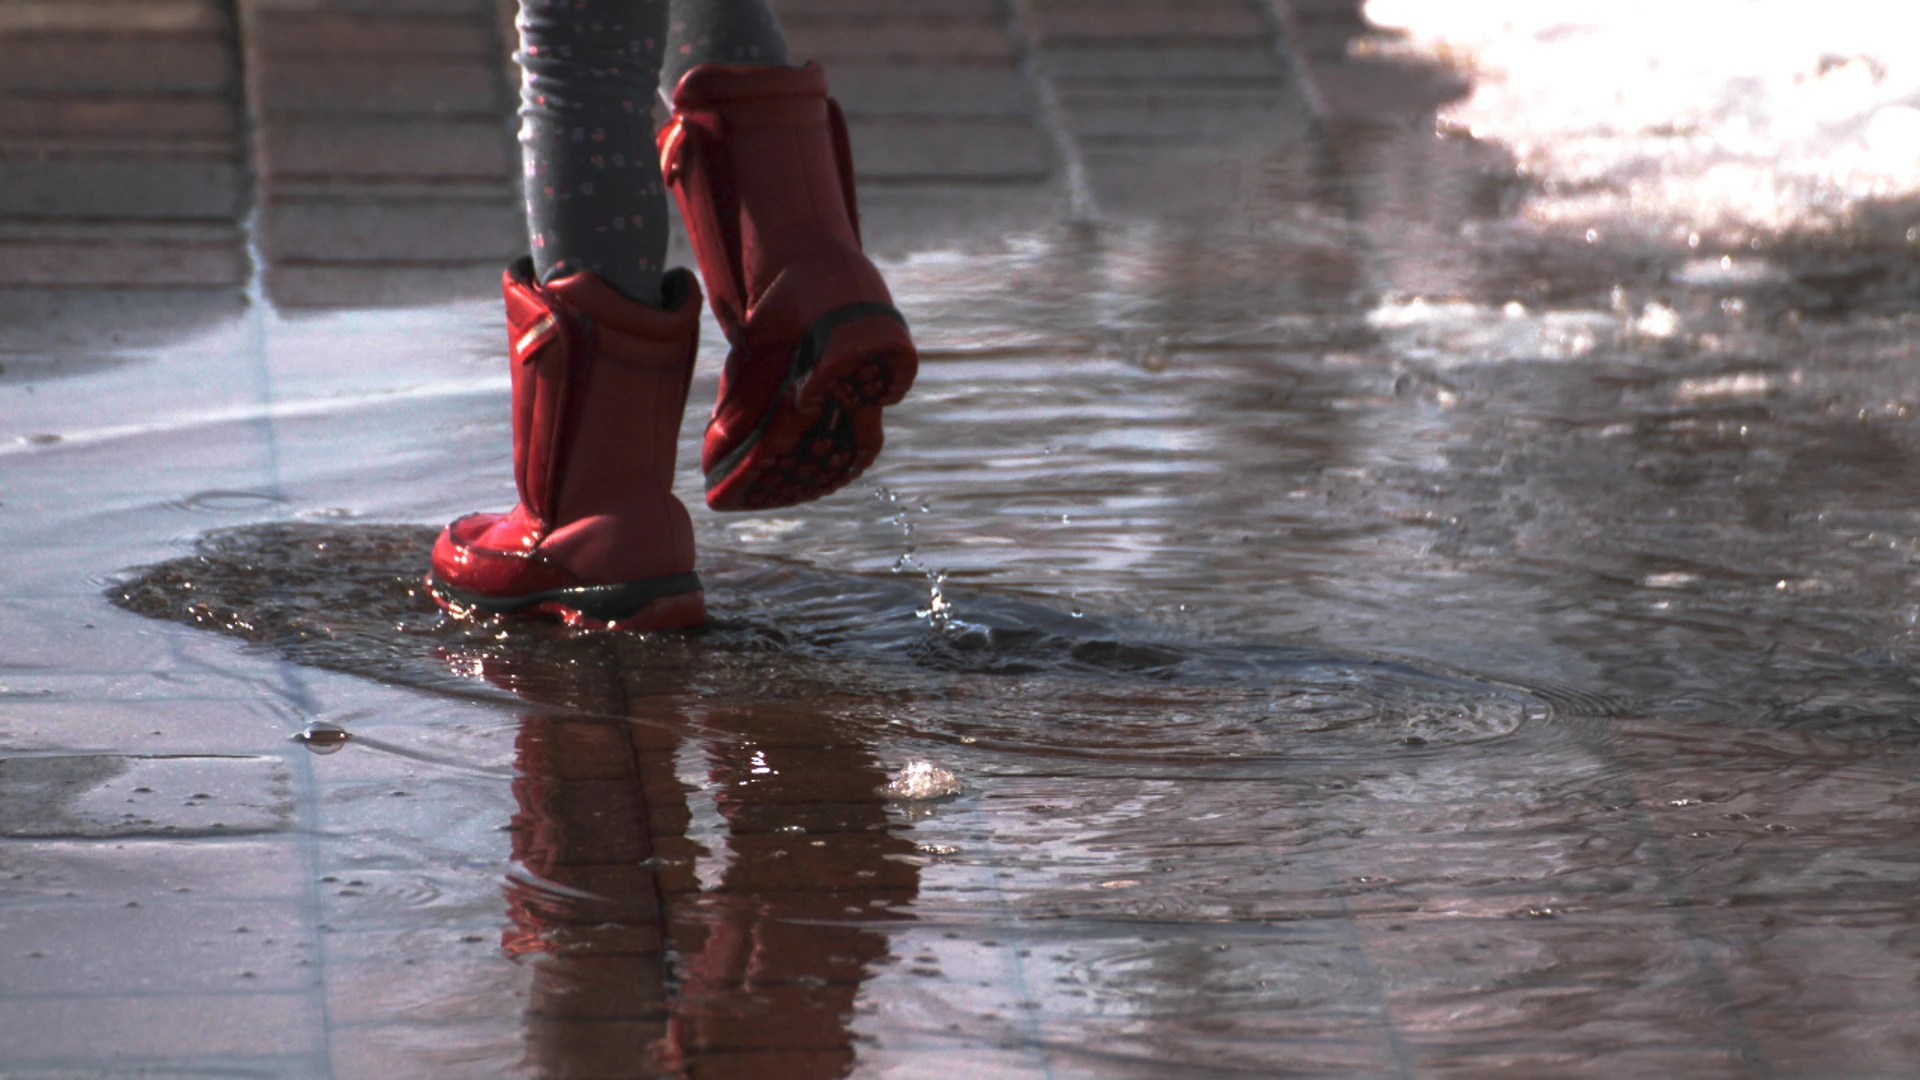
(922, 781)
(1720, 118)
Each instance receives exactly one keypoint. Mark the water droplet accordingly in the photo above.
(323, 738)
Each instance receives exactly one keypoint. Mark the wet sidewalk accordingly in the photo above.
(1327, 609)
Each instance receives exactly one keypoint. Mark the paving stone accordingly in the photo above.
(124, 16)
(63, 872)
(900, 218)
(450, 978)
(834, 951)
(122, 264)
(949, 149)
(121, 189)
(388, 156)
(364, 230)
(113, 115)
(587, 1049)
(1386, 91)
(94, 62)
(1326, 27)
(1176, 180)
(788, 863)
(1222, 61)
(873, 91)
(118, 117)
(622, 892)
(375, 285)
(821, 775)
(472, 8)
(381, 1050)
(184, 1029)
(834, 42)
(156, 945)
(1182, 117)
(600, 988)
(1156, 22)
(101, 795)
(788, 1063)
(50, 331)
(1870, 1043)
(380, 86)
(788, 1018)
(402, 149)
(89, 146)
(981, 10)
(464, 34)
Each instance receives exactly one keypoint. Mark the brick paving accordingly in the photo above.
(138, 138)
(383, 143)
(162, 161)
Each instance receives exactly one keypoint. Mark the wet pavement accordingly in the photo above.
(1372, 581)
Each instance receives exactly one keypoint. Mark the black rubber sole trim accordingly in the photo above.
(806, 356)
(607, 603)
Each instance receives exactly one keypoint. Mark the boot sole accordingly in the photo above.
(673, 602)
(824, 428)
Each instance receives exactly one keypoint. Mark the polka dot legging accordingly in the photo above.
(589, 70)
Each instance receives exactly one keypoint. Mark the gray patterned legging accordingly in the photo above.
(589, 70)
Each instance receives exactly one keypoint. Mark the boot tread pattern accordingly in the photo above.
(825, 429)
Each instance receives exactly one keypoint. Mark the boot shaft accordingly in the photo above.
(599, 386)
(758, 159)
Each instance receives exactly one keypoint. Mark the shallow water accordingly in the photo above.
(1370, 633)
(1480, 686)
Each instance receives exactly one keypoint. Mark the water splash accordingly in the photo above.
(938, 610)
(923, 781)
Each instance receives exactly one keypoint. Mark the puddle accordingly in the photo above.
(350, 598)
(1405, 624)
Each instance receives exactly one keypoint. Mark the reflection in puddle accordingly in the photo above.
(713, 861)
(643, 969)
(349, 598)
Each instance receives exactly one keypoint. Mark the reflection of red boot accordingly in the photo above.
(758, 159)
(598, 539)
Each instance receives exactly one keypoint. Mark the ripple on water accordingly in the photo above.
(229, 501)
(1018, 676)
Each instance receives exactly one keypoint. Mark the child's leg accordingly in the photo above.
(601, 347)
(721, 32)
(594, 200)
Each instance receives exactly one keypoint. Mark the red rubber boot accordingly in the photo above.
(598, 539)
(757, 158)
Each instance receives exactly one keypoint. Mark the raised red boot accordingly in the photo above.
(598, 539)
(757, 158)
